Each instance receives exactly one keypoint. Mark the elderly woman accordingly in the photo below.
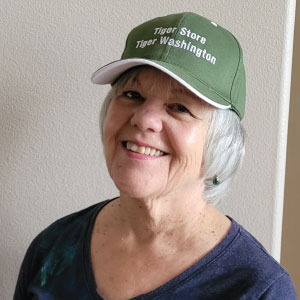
(173, 140)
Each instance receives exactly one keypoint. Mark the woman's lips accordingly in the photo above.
(142, 149)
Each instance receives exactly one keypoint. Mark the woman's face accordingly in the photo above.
(154, 134)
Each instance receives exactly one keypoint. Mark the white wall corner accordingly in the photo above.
(283, 127)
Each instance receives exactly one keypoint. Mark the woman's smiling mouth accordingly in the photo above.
(145, 150)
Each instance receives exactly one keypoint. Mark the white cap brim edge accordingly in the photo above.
(108, 73)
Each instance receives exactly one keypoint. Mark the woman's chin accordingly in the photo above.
(138, 191)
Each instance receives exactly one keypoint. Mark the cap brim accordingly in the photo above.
(108, 73)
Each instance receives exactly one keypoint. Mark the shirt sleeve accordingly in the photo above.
(282, 288)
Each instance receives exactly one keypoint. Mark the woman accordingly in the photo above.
(173, 140)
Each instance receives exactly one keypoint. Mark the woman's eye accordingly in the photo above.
(179, 108)
(133, 95)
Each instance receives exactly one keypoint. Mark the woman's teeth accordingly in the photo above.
(143, 150)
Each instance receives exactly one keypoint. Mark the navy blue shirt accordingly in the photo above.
(57, 266)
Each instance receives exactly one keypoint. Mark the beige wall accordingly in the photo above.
(291, 220)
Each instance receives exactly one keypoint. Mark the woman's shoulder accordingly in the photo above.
(250, 247)
(250, 258)
(240, 268)
(55, 249)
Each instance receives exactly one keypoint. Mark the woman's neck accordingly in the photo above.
(168, 222)
(150, 219)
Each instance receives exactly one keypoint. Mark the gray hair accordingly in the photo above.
(223, 153)
(224, 148)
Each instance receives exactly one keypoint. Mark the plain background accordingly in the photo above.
(51, 158)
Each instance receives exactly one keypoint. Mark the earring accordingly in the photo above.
(216, 180)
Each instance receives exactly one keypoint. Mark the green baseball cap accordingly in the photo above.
(201, 55)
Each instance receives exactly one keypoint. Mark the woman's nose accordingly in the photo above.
(147, 117)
